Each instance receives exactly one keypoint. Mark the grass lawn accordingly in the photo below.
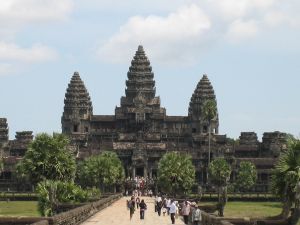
(250, 209)
(19, 208)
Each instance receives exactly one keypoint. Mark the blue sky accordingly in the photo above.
(249, 49)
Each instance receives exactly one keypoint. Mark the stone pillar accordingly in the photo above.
(133, 172)
(150, 173)
(145, 172)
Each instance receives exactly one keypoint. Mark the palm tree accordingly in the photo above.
(210, 113)
(286, 179)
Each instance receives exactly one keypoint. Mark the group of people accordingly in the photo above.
(190, 211)
(135, 202)
(138, 184)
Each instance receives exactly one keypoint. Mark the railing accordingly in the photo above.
(71, 217)
(80, 214)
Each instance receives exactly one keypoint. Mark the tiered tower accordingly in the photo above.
(78, 108)
(140, 105)
(140, 78)
(203, 92)
(3, 131)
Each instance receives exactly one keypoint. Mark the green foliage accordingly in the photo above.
(48, 157)
(1, 164)
(286, 174)
(219, 171)
(210, 109)
(51, 193)
(247, 175)
(102, 170)
(286, 180)
(176, 173)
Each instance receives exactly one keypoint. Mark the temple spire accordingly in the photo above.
(78, 106)
(140, 77)
(204, 91)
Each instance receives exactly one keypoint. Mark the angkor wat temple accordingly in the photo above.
(141, 132)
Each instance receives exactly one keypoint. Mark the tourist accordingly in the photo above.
(137, 200)
(159, 205)
(168, 205)
(131, 207)
(196, 215)
(185, 211)
(143, 207)
(172, 211)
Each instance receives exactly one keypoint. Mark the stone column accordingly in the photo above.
(145, 172)
(133, 172)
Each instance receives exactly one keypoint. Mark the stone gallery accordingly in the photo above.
(141, 132)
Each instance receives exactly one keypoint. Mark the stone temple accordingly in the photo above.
(141, 132)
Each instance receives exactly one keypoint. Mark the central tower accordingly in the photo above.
(140, 109)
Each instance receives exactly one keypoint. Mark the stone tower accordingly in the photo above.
(203, 92)
(140, 109)
(3, 131)
(78, 108)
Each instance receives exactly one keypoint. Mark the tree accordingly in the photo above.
(210, 113)
(247, 175)
(48, 158)
(286, 179)
(176, 173)
(1, 164)
(104, 170)
(52, 193)
(220, 172)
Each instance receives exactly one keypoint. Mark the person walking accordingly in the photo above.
(159, 205)
(131, 207)
(172, 211)
(137, 200)
(196, 215)
(143, 208)
(185, 211)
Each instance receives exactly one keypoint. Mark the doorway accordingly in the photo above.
(140, 171)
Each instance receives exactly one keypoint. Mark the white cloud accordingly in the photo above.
(240, 30)
(22, 11)
(233, 9)
(180, 31)
(184, 36)
(37, 53)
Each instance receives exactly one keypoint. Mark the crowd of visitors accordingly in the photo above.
(166, 206)
(138, 186)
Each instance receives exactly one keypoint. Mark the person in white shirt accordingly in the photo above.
(173, 211)
(168, 203)
(196, 215)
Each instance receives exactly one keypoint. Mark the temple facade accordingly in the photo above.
(141, 132)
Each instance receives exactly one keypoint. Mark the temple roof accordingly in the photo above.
(204, 91)
(140, 83)
(77, 95)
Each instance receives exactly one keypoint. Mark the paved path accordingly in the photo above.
(118, 214)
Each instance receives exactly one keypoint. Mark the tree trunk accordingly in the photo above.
(295, 216)
(286, 209)
(209, 143)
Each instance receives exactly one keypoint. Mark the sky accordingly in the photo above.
(249, 49)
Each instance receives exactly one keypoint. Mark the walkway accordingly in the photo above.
(117, 214)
